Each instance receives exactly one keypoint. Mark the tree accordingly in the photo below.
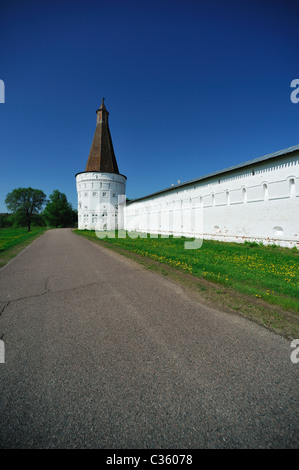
(5, 220)
(24, 202)
(58, 211)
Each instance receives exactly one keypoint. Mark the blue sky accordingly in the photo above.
(192, 87)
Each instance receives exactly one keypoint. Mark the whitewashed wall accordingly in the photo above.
(256, 203)
(99, 198)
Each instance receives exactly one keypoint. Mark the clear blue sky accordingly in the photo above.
(192, 87)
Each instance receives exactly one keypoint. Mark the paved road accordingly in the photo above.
(102, 353)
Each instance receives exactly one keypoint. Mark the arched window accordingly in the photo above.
(244, 194)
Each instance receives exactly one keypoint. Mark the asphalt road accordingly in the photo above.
(102, 353)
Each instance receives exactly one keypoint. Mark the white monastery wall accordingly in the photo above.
(99, 197)
(258, 202)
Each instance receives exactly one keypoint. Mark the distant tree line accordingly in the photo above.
(29, 207)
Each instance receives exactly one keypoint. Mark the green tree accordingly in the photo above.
(24, 203)
(5, 220)
(58, 211)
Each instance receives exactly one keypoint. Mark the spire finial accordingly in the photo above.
(103, 105)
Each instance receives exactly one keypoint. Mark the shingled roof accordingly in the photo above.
(101, 155)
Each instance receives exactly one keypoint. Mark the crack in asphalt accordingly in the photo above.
(46, 291)
(5, 306)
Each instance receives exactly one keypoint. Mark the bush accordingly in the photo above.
(251, 244)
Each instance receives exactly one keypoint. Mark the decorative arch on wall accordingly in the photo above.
(227, 197)
(277, 231)
(292, 186)
(265, 191)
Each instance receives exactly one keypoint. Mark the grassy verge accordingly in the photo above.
(14, 240)
(259, 282)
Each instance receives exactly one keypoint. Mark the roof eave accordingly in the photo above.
(248, 164)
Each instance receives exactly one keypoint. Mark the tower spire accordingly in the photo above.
(101, 155)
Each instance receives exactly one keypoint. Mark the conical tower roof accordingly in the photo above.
(101, 155)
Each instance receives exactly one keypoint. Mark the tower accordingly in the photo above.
(101, 188)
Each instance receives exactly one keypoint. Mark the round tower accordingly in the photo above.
(101, 188)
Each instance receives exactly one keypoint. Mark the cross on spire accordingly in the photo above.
(102, 104)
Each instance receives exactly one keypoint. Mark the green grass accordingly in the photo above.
(269, 273)
(14, 240)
